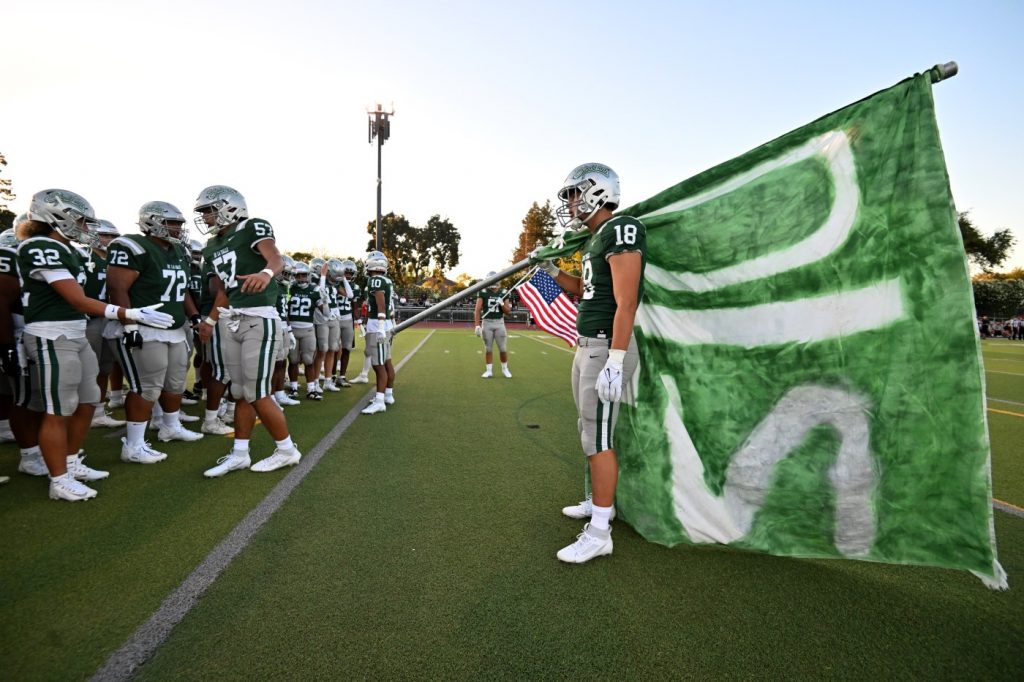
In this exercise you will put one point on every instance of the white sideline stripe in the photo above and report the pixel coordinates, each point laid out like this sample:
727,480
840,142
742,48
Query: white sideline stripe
1008,508
1000,400
125,662
804,320
551,345
1012,374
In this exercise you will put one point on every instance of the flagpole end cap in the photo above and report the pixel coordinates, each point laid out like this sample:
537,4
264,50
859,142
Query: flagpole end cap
941,72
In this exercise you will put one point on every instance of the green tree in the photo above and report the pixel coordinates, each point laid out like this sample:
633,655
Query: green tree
7,195
416,253
538,229
985,252
439,242
999,298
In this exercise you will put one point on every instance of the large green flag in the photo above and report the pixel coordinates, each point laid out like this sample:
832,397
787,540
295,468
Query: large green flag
810,378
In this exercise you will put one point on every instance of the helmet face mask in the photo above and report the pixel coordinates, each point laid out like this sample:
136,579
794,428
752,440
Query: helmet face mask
164,221
335,271
300,274
106,232
494,286
349,268
219,207
66,212
8,239
588,188
287,270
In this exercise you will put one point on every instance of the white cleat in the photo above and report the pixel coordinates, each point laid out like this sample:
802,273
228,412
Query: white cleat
287,402
486,375
361,379
155,424
589,544
229,415
187,418
505,373
101,419
6,435
33,466
67,488
80,471
584,510
141,454
177,432
374,408
228,463
113,404
329,386
217,427
278,460
389,399
189,401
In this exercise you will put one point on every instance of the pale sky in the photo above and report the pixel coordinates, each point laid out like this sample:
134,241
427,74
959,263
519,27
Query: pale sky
129,102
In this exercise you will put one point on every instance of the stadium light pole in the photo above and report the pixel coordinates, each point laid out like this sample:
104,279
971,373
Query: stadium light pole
380,128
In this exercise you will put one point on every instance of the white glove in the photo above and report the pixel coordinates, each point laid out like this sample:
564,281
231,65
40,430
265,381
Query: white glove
149,316
549,267
361,328
232,316
292,341
478,331
609,381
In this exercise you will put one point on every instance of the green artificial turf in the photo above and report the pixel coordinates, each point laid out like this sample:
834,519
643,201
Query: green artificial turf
422,546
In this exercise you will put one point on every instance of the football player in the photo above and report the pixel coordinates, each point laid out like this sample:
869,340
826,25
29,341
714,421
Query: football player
246,261
305,299
286,340
61,363
380,293
334,278
146,269
614,258
492,305
96,287
347,320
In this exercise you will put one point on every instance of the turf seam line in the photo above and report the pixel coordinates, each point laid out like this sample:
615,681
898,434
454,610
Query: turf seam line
549,345
126,660
1008,508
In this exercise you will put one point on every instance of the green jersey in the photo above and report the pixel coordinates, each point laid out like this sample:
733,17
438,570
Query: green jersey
493,301
195,283
621,234
9,267
282,303
344,302
163,273
302,304
236,254
42,303
96,277
375,283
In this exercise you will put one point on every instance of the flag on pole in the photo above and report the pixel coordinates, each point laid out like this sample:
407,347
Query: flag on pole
551,309
810,378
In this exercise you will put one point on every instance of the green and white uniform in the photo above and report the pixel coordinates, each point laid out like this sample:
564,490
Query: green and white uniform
348,333
96,287
248,335
305,299
62,365
283,329
211,349
17,386
378,338
325,318
621,234
161,364
492,319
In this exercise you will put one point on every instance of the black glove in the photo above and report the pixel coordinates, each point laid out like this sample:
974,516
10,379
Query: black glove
132,338
9,360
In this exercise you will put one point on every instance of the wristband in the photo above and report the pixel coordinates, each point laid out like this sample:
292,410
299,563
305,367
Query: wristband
210,321
381,316
111,312
616,356
269,272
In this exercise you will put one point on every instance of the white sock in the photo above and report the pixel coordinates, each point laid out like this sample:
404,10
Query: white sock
71,459
31,453
285,444
241,446
172,419
489,367
136,434
5,423
379,398
600,516
504,365
230,408
294,385
389,392
210,415
116,395
366,366
280,395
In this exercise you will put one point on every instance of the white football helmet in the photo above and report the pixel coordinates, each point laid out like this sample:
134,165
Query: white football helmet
225,203
375,261
8,239
195,248
301,274
494,286
287,270
335,271
350,269
64,211
589,186
164,221
106,232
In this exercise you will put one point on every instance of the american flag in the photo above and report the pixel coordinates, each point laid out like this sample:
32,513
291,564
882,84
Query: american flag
551,309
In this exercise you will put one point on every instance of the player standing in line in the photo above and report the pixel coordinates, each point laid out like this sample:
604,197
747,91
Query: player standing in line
245,260
96,287
62,366
146,269
380,293
347,320
286,340
606,356
331,275
305,299
492,305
